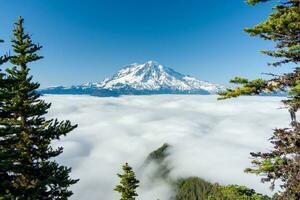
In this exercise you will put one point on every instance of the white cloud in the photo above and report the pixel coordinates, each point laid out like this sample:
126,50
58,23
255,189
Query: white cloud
211,139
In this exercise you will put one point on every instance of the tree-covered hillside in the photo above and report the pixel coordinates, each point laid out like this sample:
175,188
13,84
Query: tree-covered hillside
196,188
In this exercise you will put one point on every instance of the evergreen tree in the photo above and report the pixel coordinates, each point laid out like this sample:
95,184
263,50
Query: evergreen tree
128,184
27,157
283,161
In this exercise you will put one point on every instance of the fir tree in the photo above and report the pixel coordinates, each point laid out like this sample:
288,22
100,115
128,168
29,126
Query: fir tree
27,157
283,161
128,184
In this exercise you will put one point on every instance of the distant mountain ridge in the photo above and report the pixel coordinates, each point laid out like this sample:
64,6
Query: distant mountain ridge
142,79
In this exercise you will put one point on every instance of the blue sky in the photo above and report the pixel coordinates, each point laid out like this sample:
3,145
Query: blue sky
87,40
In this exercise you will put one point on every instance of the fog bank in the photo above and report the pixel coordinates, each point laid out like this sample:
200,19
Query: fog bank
210,139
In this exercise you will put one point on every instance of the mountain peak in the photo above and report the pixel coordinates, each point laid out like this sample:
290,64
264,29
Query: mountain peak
153,76
152,62
146,78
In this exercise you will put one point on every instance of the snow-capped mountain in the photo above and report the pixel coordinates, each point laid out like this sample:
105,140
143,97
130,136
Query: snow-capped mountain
147,78
154,76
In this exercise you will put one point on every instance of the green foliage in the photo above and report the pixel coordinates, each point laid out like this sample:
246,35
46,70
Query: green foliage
248,88
282,26
296,88
160,153
27,167
128,184
283,161
158,156
4,176
253,2
236,192
195,188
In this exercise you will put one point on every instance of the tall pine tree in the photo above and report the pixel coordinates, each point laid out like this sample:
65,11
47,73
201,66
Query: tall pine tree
128,184
25,135
282,163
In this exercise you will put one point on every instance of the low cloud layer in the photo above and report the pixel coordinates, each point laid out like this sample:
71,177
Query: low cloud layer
210,139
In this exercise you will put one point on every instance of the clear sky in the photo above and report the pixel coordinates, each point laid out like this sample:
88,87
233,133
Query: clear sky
87,40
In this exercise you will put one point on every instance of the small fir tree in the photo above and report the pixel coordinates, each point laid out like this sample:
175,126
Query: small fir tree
27,157
128,184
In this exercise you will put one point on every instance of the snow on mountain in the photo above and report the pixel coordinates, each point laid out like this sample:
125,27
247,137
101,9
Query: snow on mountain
154,76
151,77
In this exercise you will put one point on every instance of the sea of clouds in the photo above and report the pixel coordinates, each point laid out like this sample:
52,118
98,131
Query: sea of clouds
210,139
